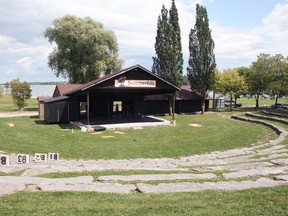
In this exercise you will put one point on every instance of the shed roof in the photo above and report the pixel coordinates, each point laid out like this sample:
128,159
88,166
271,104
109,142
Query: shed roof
42,98
61,89
59,98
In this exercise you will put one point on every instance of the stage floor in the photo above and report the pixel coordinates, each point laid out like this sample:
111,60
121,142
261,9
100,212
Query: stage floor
122,121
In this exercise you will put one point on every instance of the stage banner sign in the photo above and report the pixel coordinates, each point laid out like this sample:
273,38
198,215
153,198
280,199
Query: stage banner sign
135,83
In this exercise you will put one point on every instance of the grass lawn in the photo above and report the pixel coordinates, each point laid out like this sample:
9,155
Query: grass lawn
250,102
31,134
218,132
263,201
6,104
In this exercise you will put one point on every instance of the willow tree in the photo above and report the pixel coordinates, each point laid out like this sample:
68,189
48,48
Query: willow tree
201,64
168,62
84,49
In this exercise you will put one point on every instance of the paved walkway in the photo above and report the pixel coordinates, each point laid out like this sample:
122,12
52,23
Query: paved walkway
264,165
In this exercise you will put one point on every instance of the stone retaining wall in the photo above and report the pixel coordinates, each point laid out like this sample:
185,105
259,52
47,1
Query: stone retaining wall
267,118
277,129
280,131
274,114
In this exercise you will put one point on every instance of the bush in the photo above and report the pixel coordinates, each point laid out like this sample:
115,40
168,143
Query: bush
20,92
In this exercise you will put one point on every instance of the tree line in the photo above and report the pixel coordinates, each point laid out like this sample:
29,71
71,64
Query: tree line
267,75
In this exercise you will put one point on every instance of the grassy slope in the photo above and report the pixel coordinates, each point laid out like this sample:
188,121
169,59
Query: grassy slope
266,201
31,135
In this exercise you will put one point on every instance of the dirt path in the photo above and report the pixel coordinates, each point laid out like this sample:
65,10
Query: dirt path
18,113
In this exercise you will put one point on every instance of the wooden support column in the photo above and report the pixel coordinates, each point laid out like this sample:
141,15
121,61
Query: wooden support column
173,107
88,109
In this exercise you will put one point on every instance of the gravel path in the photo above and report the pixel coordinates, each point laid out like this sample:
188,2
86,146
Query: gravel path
17,114
263,165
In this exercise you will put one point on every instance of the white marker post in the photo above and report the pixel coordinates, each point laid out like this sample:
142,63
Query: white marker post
23,158
53,156
4,160
40,157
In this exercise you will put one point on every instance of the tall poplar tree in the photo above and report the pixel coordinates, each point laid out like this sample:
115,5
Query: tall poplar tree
177,58
160,61
201,68
168,62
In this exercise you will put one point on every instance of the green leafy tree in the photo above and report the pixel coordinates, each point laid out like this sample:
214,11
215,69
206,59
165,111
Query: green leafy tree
168,62
84,49
201,68
278,86
259,77
215,87
243,71
20,92
230,82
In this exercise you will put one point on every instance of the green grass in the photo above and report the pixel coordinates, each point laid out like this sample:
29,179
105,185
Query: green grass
250,102
7,105
262,201
31,135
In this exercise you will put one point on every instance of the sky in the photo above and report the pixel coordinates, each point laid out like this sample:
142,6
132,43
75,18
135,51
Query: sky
241,30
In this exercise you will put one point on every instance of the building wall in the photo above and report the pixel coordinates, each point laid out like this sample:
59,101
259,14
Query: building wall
41,109
41,112
152,107
162,106
62,111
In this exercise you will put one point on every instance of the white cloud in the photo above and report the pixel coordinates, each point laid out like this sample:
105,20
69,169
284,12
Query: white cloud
276,23
24,48
4,40
25,63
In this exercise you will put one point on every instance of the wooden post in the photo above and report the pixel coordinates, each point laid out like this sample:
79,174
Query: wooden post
68,112
88,109
173,110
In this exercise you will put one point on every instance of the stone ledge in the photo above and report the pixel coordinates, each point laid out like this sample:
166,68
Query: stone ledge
280,131
190,186
156,177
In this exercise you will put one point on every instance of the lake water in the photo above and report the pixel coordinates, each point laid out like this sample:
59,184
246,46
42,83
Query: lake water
42,90
39,90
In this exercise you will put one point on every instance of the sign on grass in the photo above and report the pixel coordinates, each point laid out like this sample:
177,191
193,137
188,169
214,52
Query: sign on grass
53,156
4,159
22,158
40,157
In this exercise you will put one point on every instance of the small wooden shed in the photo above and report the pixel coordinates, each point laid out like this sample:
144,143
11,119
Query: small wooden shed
61,109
